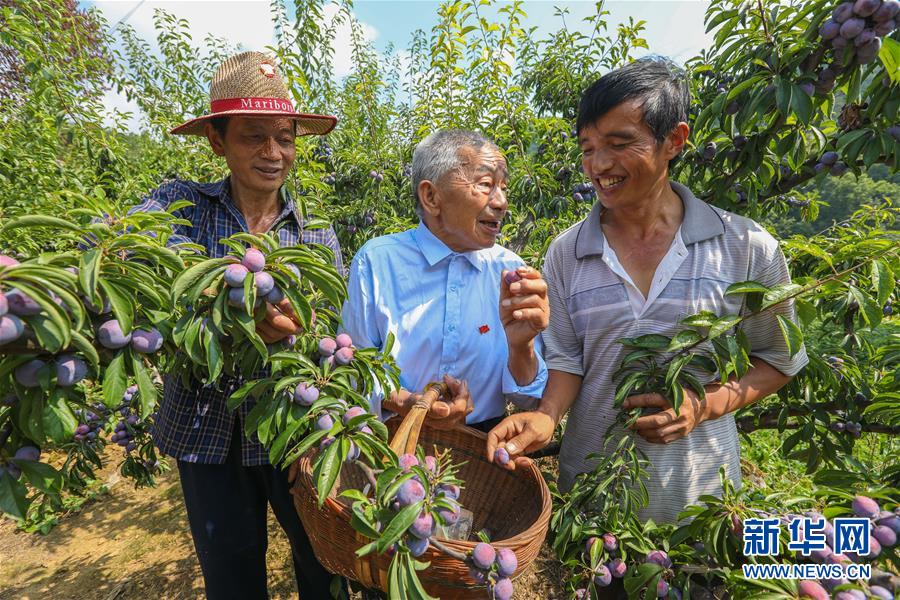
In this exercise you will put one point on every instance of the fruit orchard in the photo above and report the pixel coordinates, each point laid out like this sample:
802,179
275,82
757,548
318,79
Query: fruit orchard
793,100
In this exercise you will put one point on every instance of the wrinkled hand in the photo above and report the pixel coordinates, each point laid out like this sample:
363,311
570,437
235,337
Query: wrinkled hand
520,434
280,322
449,412
665,427
524,308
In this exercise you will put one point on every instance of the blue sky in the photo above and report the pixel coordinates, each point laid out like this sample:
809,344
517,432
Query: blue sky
673,27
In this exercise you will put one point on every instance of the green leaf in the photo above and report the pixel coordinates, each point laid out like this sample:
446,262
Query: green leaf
327,468
871,312
890,57
41,221
793,337
308,442
13,499
58,420
41,475
683,339
122,305
882,280
145,385
651,341
89,274
721,325
194,275
783,94
398,525
744,287
802,104
115,380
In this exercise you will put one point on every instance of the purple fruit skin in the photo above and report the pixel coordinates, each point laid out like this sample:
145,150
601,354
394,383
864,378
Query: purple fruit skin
880,592
589,543
343,340
602,576
478,575
110,335
659,557
864,38
808,88
70,370
11,328
852,28
512,277
582,594
865,8
892,522
254,260
21,305
610,543
662,589
449,490
82,429
146,341
888,10
327,346
874,548
830,29
423,526
864,506
503,589
501,456
27,374
842,12
885,535
866,54
264,283
431,463
408,461
27,453
4,305
450,517
236,297
352,413
344,356
306,395
326,441
410,492
352,452
829,158
7,261
417,547
325,422
617,567
886,27
507,562
275,296
483,555
235,275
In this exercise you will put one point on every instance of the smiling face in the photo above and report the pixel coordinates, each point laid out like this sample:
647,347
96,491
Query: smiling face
259,151
623,159
465,208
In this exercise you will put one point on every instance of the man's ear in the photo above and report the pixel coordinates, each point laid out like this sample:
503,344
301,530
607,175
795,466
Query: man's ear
427,193
215,140
678,137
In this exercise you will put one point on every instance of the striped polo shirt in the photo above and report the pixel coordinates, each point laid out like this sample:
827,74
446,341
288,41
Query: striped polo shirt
591,307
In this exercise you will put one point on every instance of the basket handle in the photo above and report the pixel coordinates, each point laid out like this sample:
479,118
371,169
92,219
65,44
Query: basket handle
407,436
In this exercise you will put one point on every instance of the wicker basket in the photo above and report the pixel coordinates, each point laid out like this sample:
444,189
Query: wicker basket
513,505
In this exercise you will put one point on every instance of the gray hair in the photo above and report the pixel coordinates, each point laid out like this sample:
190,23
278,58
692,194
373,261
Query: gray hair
438,154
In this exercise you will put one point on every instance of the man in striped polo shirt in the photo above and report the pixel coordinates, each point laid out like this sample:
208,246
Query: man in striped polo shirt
649,254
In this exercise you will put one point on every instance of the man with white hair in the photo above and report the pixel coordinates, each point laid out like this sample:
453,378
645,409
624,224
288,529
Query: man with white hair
459,306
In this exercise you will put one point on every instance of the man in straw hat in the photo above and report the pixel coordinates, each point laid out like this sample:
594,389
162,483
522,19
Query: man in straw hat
225,476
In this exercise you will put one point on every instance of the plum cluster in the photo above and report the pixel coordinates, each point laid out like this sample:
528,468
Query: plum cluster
251,265
855,30
336,351
12,466
69,370
90,424
493,567
584,192
376,176
829,161
606,563
12,305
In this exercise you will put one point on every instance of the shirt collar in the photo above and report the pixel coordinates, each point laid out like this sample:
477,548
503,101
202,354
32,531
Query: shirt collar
221,191
434,250
701,222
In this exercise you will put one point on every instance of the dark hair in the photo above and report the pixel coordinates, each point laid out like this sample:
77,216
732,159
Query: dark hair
220,124
657,81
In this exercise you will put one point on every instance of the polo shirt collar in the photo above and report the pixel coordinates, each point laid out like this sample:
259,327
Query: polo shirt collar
434,250
701,222
221,191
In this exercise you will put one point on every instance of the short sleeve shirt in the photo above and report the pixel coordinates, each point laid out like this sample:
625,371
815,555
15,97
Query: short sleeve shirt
590,309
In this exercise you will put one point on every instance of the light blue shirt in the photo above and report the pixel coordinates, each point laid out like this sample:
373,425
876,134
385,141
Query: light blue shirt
443,309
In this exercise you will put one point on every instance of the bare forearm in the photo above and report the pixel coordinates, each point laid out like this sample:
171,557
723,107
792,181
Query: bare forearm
559,395
760,381
523,363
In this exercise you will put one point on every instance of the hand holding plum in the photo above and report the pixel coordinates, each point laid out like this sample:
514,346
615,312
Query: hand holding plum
665,426
524,308
280,322
519,434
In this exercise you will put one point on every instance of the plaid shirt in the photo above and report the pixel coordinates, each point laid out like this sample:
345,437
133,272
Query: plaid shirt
193,424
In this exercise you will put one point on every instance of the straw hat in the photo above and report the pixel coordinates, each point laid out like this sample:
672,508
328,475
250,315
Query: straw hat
249,84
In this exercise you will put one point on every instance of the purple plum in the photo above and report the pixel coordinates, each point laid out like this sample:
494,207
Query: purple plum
864,506
264,283
887,11
27,453
449,516
830,29
110,335
146,341
235,274
431,463
254,260
864,38
70,370
26,374
327,346
21,304
11,328
417,547
662,588
885,535
617,567
423,526
501,456
478,575
408,461
865,8
885,27
324,423
306,395
483,555
343,341
507,562
410,492
236,297
352,413
852,28
610,543
7,261
4,304
589,543
449,490
502,590
275,296
829,158
352,453
842,12
659,557
344,356
512,277
602,576
880,592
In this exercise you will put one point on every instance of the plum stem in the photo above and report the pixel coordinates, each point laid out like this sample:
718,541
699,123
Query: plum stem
447,550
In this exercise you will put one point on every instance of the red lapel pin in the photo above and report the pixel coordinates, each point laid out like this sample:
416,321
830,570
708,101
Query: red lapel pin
483,329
